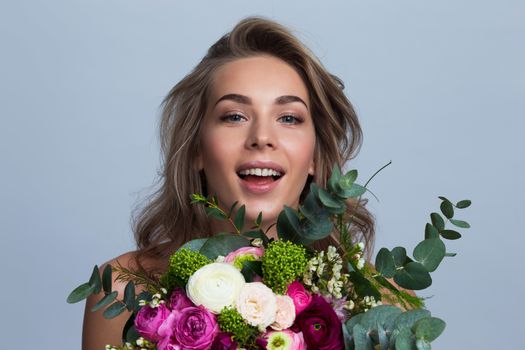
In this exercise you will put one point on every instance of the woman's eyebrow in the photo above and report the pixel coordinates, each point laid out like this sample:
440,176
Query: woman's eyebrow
281,100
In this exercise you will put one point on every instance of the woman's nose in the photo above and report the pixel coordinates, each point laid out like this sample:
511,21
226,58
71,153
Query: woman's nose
261,135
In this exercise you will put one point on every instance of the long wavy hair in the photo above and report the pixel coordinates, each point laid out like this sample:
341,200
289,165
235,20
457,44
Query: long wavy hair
167,219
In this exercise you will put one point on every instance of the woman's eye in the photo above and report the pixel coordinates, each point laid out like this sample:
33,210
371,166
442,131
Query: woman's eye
233,118
290,119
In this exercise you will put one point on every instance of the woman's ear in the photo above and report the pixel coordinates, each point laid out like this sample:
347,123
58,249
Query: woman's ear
311,169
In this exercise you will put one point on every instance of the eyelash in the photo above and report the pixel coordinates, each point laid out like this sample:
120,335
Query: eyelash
228,118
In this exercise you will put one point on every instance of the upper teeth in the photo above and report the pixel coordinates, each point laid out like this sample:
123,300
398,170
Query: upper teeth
260,172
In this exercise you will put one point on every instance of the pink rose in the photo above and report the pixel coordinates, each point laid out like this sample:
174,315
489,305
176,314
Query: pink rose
301,298
237,257
285,340
149,319
192,328
285,314
179,300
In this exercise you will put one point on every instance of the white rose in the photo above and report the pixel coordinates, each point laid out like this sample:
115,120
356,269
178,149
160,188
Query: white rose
257,304
285,314
215,286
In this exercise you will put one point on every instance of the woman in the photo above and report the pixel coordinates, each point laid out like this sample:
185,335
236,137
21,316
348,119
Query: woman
256,121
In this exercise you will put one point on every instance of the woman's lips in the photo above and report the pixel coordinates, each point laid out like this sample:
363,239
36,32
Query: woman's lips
259,184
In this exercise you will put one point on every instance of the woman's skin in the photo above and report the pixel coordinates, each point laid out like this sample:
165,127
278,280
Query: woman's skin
258,117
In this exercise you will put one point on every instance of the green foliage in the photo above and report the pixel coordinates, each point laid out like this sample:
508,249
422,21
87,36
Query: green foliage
182,265
282,263
222,244
388,327
231,321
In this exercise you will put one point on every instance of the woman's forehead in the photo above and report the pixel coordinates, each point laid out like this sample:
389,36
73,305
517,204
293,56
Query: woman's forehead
262,79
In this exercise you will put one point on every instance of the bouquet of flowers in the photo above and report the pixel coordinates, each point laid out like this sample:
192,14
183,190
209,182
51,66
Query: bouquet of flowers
242,290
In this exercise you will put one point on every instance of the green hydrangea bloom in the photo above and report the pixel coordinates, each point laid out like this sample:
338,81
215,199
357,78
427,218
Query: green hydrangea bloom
282,263
182,265
231,321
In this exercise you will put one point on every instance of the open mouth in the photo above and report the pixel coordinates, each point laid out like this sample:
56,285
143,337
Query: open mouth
259,175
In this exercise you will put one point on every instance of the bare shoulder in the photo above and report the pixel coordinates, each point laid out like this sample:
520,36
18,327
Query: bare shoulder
98,331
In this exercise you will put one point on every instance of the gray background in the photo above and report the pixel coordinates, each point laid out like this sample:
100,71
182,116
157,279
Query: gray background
438,87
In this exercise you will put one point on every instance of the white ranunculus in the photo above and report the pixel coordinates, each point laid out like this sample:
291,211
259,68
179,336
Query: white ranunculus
285,315
215,286
257,304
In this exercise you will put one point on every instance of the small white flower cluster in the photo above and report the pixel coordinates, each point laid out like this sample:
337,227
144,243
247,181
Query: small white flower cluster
323,273
359,256
156,299
257,242
349,305
370,302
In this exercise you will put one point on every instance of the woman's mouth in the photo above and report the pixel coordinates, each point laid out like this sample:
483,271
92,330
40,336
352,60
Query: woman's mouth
259,180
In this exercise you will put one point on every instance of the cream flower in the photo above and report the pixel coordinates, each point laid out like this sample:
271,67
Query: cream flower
257,304
215,286
285,314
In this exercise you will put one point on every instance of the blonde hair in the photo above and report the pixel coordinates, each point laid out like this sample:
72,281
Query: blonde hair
168,220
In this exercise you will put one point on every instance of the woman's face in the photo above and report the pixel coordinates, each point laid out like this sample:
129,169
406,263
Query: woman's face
257,138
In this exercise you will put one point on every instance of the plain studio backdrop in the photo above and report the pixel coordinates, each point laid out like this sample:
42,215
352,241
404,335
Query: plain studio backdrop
438,86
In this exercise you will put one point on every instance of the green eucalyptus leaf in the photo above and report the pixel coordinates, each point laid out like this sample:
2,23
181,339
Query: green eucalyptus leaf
334,179
215,213
408,318
429,328
106,279
460,223
422,344
383,337
385,263
400,255
443,198
288,227
257,234
232,208
223,244
463,204
450,254
129,333
347,181
114,310
361,339
355,191
430,253
405,340
195,244
95,280
250,269
80,293
239,218
129,295
431,231
447,209
106,300
258,221
317,229
379,315
347,337
450,234
413,276
437,221
330,201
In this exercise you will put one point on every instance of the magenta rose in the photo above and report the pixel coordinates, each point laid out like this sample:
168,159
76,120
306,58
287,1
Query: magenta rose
179,300
301,298
320,326
192,328
224,341
149,319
